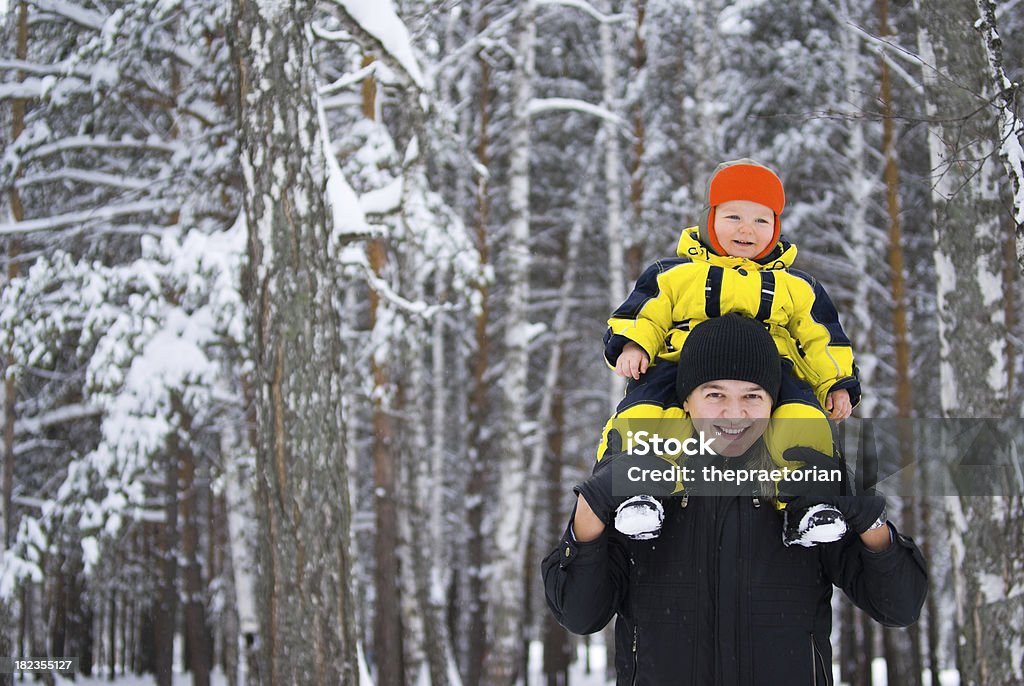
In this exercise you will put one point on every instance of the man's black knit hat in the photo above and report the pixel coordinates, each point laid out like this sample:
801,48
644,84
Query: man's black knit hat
729,347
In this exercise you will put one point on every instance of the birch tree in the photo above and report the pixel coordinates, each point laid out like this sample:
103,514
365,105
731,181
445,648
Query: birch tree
969,187
505,606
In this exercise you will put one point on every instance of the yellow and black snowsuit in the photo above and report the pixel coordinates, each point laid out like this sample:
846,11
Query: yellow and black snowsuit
674,295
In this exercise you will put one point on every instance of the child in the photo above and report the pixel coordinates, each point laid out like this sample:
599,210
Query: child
736,261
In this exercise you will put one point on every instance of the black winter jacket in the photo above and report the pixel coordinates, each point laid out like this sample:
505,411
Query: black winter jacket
717,600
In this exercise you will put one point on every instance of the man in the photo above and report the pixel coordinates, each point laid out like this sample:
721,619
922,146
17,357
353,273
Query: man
717,598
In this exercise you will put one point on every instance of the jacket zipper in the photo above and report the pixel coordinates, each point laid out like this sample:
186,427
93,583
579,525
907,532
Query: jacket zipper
635,660
817,659
814,666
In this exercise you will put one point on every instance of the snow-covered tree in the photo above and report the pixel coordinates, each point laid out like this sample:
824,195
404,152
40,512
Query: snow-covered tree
969,191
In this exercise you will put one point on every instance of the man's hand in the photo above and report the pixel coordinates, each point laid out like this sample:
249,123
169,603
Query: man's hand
837,403
610,485
860,511
803,485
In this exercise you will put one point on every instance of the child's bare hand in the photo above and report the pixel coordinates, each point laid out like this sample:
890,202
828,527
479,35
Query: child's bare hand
839,405
632,362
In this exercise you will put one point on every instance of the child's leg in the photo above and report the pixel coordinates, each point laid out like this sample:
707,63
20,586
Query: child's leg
649,404
652,396
798,420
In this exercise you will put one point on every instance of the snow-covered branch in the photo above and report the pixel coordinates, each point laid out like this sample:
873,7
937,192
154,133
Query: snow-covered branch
82,142
61,221
58,69
85,176
589,9
87,18
542,105
480,40
348,80
29,88
68,413
885,48
377,21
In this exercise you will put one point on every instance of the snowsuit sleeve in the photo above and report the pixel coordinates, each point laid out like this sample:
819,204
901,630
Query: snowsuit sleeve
646,315
585,583
890,586
823,345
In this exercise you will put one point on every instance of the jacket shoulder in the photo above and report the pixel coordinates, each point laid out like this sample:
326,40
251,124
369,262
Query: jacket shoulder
800,274
664,265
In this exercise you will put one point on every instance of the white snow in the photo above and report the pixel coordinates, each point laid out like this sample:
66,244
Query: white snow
589,9
640,517
382,200
542,105
378,18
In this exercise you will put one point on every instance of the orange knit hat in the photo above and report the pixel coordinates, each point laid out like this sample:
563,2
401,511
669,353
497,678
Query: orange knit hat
742,179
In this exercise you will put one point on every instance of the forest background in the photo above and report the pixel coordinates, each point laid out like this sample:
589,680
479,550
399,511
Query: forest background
302,304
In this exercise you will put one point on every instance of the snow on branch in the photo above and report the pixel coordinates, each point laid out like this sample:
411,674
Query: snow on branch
82,142
61,221
78,15
541,105
586,7
58,69
86,176
68,413
384,290
377,19
346,213
482,39
885,48
347,80
27,89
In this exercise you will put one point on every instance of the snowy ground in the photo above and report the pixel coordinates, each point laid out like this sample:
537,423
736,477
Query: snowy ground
578,675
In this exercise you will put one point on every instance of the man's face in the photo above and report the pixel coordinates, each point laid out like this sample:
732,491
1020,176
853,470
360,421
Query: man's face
744,228
732,413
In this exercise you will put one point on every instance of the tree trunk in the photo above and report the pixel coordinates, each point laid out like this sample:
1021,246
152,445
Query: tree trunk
10,391
165,612
479,406
505,594
864,250
968,197
199,658
1011,128
897,271
963,141
902,668
863,675
935,620
557,646
613,195
7,473
635,245
307,616
387,617
79,640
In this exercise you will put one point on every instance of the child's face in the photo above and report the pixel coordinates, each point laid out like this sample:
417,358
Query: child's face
744,228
